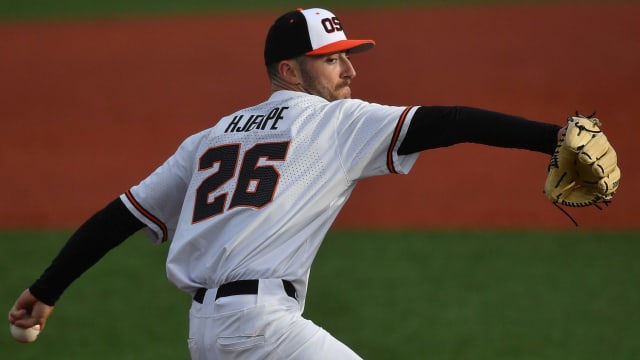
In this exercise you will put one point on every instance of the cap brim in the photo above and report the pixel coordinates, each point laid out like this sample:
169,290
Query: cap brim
353,46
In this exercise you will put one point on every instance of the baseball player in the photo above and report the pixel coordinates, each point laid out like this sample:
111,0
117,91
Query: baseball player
246,203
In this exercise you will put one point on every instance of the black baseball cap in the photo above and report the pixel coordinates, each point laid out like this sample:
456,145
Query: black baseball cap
308,32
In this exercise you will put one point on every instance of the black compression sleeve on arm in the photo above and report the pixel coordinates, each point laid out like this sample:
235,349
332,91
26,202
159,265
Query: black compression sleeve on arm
105,230
439,126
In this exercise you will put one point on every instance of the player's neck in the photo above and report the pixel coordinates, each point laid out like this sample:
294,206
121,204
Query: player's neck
281,85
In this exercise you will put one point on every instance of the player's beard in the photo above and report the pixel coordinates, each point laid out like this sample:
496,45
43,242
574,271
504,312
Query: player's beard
345,88
312,85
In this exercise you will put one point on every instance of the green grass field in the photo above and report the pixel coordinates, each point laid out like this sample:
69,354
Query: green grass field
19,10
389,295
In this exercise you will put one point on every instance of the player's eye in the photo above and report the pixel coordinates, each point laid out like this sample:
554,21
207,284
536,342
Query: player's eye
331,59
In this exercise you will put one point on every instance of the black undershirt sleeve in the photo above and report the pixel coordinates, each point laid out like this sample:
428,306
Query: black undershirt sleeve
439,126
102,232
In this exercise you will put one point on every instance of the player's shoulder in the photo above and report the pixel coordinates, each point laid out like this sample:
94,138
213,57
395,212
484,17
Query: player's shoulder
194,140
362,110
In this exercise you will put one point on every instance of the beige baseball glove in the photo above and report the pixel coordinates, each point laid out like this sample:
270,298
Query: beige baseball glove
584,169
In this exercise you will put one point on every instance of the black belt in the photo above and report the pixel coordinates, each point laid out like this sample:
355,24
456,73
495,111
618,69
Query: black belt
242,287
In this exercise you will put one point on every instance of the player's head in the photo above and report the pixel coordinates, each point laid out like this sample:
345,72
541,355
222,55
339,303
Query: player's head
303,44
309,32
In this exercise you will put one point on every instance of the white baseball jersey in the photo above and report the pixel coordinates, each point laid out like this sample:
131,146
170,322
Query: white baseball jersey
254,196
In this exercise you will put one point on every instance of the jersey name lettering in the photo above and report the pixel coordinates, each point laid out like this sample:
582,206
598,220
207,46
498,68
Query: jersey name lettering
256,122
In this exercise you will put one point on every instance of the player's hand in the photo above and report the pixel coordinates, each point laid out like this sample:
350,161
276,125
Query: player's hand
28,311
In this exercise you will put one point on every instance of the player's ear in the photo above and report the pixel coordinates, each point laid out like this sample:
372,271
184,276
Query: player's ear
289,71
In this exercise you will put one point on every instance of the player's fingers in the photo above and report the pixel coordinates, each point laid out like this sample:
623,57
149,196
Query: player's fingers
16,314
27,322
594,149
38,317
21,318
22,306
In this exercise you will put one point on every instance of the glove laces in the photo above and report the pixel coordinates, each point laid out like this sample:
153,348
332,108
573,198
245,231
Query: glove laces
604,202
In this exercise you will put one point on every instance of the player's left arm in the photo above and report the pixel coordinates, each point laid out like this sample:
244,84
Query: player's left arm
440,126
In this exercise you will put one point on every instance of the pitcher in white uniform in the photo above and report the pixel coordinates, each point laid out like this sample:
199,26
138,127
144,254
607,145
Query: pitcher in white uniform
247,203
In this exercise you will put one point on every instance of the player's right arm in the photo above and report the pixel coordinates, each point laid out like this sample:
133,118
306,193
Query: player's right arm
102,232
163,189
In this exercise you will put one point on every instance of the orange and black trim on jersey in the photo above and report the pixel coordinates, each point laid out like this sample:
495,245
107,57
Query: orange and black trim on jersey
394,140
148,215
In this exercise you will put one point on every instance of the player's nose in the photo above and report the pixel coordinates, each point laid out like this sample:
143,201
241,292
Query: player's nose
348,71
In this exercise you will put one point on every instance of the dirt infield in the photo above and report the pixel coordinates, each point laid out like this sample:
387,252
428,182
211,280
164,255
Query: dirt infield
90,108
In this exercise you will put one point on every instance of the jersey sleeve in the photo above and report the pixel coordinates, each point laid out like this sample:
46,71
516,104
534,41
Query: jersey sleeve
157,200
369,136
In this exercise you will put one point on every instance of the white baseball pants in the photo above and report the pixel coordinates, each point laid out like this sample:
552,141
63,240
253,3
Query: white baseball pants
268,325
